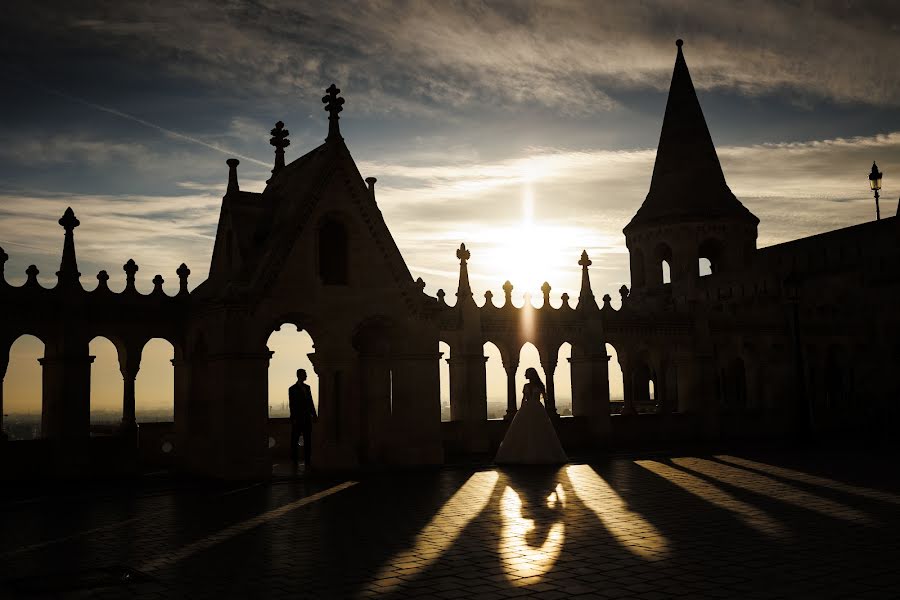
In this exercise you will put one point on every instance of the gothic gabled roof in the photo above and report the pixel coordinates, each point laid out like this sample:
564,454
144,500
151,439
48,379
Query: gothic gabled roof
687,182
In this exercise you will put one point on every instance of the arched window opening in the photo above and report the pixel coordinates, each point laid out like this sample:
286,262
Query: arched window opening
528,357
563,379
154,388
22,389
290,348
333,253
664,260
444,371
106,387
496,382
616,383
643,386
651,392
710,252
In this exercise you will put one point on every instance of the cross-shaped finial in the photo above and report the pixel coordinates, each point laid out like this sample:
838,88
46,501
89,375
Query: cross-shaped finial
462,254
585,262
334,105
279,137
280,140
68,220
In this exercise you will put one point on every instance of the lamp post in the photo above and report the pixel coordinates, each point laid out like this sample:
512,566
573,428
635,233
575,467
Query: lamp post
875,183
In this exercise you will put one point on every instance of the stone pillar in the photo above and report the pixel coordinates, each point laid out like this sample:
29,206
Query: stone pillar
4,363
416,416
628,386
549,366
66,381
129,365
236,392
468,387
511,366
335,436
182,398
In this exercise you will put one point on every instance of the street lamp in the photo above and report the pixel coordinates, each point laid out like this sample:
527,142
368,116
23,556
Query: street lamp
875,183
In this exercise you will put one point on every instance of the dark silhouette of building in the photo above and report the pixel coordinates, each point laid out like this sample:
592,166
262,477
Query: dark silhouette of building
796,337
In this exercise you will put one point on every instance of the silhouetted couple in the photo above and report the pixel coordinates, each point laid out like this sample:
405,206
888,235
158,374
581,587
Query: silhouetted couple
303,415
531,438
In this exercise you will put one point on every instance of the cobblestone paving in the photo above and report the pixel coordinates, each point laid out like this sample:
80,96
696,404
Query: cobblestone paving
737,525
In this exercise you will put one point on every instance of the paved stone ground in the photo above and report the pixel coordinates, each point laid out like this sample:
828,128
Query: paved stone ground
760,524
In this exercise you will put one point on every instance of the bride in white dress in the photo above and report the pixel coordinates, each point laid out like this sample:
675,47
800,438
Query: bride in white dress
531,438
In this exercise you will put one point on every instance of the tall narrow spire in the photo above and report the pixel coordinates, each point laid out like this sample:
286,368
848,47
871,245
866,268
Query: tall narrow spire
68,266
687,178
464,291
280,141
586,300
334,105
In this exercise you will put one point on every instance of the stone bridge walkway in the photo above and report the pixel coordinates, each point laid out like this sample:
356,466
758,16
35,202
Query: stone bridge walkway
730,525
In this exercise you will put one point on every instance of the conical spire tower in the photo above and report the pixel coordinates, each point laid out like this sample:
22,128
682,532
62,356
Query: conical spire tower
687,182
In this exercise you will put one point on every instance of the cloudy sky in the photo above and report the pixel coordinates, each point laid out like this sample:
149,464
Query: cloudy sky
526,130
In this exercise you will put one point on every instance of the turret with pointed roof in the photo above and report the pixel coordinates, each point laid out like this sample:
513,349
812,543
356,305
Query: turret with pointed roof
688,192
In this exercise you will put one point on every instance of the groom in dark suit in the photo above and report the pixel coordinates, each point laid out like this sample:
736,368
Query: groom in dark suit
303,415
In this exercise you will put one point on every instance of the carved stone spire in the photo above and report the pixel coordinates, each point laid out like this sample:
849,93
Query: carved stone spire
334,105
233,186
464,290
68,267
280,141
586,300
687,178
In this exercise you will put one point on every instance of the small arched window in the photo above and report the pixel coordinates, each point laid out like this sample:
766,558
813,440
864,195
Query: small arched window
333,253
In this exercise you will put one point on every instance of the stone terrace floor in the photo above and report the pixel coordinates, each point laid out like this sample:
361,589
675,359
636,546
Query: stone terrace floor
739,524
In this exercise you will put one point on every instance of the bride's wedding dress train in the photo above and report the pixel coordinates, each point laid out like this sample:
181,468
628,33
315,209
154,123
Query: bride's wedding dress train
531,438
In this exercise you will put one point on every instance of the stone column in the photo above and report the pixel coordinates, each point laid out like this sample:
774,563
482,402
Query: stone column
549,365
4,363
129,365
511,366
468,387
335,436
182,397
628,385
416,418
66,380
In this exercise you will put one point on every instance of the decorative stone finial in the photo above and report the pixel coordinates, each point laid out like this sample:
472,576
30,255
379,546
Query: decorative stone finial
586,299
183,273
464,290
68,220
130,269
233,186
679,43
507,292
102,280
440,296
462,254
157,284
280,141
606,301
370,181
585,262
545,289
565,300
31,272
68,266
334,105
623,291
489,298
420,283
